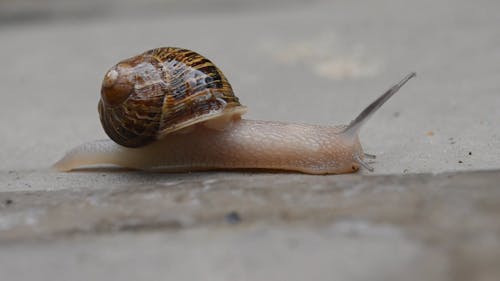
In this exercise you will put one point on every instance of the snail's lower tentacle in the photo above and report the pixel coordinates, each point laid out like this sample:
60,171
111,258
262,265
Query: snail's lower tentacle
370,156
363,163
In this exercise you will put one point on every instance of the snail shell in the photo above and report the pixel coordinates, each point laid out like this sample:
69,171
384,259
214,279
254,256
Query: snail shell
163,91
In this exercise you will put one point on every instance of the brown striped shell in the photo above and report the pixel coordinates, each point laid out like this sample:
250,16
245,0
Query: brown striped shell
162,91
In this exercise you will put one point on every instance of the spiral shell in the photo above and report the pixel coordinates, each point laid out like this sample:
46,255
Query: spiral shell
162,91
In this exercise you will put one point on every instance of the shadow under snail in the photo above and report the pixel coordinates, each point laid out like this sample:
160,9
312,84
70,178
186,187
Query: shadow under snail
173,110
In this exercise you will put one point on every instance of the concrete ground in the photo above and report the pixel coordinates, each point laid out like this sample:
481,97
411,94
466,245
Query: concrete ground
429,211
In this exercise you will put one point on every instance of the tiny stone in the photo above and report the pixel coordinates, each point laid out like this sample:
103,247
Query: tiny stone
8,201
470,152
233,218
460,161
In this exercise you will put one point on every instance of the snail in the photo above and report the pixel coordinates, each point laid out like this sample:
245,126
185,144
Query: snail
173,110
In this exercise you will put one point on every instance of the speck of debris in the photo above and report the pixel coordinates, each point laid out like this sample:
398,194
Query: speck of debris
470,152
405,171
430,133
233,218
8,202
460,161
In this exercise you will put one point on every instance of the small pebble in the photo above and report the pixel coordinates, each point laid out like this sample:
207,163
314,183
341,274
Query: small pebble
233,218
460,161
8,202
470,152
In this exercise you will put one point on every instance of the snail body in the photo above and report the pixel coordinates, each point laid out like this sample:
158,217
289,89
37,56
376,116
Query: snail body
173,110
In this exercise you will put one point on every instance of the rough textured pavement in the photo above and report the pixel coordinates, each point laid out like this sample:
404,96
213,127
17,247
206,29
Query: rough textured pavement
429,211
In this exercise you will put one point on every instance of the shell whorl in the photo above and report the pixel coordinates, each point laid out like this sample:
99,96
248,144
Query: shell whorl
161,91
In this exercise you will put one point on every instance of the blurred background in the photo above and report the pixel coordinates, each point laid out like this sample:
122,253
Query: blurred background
433,215
300,61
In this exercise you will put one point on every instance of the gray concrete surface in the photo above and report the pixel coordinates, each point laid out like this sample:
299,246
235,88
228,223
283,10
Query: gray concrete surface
428,212
256,227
